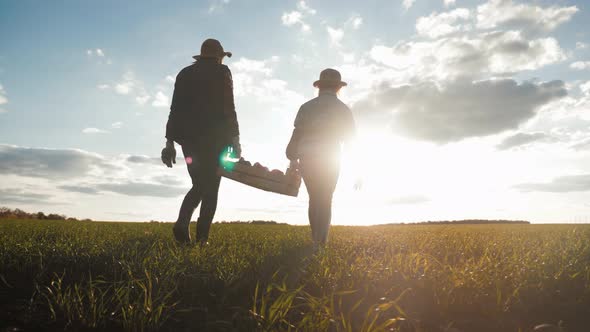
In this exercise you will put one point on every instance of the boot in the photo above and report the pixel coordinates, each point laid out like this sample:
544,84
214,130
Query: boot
181,233
203,227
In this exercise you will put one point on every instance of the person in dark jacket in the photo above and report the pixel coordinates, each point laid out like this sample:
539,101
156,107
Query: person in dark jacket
203,121
321,126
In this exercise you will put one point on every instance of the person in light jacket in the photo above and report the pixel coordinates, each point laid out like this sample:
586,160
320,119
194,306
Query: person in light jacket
321,126
203,121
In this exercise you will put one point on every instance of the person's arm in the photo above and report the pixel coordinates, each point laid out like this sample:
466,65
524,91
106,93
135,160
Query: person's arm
172,126
229,112
292,150
174,121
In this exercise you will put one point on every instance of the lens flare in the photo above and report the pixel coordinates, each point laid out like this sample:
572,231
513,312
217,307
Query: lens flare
189,160
227,158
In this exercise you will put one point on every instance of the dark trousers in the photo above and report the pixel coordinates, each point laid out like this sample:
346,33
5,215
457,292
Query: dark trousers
320,176
202,162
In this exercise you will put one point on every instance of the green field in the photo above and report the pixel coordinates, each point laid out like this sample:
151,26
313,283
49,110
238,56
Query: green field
132,276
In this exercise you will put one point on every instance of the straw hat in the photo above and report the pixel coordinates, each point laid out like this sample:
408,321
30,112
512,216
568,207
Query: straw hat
329,77
211,48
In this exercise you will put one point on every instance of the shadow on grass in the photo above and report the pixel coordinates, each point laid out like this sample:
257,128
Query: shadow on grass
207,302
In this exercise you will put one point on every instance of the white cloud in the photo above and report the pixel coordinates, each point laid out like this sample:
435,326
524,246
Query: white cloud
130,86
293,18
436,25
103,86
3,98
117,125
96,52
493,53
297,16
124,88
530,17
170,79
216,5
407,4
161,100
250,66
127,84
566,119
92,130
253,78
301,5
100,55
449,3
335,35
580,65
142,99
581,45
348,57
133,87
356,22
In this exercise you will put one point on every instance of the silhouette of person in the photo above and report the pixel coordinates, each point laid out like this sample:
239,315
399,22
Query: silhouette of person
203,121
321,126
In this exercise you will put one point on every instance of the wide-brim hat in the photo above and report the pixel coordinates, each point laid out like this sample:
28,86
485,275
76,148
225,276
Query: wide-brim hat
211,48
329,77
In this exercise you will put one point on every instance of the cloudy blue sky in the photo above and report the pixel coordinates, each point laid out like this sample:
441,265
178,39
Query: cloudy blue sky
465,109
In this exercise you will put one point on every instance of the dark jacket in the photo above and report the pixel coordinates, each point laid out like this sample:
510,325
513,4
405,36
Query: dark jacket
321,125
202,107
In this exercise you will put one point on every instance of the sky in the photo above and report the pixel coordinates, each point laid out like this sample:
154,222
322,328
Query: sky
464,109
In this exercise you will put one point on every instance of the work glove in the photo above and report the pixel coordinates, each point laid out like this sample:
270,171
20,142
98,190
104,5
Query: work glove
169,154
237,148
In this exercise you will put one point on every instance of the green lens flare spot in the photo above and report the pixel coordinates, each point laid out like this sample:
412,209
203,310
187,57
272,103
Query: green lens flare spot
227,159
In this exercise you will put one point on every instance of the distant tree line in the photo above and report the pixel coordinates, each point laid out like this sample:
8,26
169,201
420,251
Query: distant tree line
253,222
468,222
7,213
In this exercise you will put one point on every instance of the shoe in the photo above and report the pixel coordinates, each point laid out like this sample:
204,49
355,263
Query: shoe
181,234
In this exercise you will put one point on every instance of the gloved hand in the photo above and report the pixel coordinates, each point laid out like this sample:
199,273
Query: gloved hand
237,148
169,154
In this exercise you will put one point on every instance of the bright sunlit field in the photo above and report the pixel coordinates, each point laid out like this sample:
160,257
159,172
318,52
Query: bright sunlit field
132,276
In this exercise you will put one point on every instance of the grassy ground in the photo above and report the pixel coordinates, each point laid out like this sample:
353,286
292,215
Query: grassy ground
132,276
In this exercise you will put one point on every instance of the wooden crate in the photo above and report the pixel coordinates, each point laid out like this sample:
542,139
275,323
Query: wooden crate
286,184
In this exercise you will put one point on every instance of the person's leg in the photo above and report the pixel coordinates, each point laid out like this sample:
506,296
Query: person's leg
191,199
210,191
325,214
320,178
208,208
312,209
